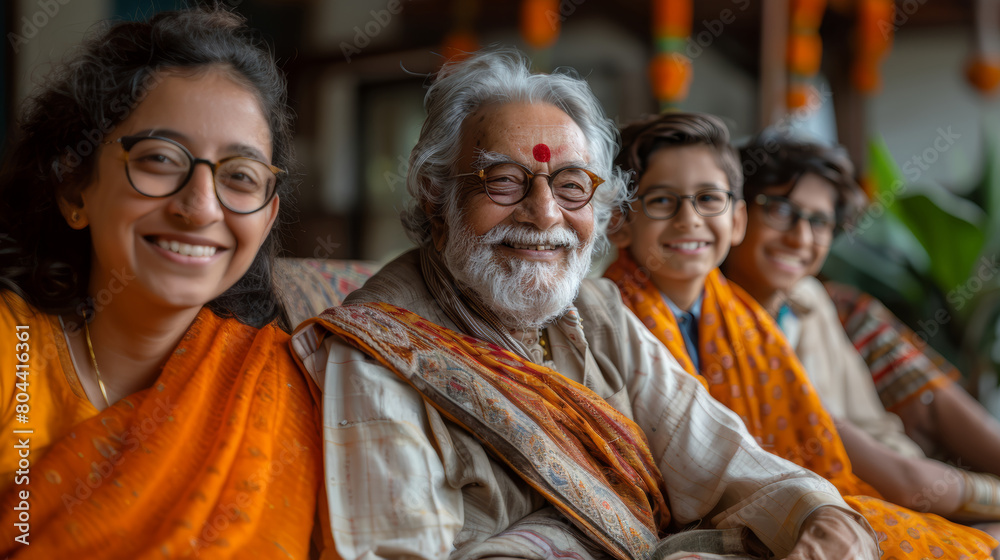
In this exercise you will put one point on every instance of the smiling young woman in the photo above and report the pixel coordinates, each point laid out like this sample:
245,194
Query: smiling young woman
154,383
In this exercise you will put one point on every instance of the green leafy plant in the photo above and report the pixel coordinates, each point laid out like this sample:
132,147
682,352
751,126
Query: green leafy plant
931,255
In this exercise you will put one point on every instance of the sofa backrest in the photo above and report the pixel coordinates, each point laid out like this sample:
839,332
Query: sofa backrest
310,286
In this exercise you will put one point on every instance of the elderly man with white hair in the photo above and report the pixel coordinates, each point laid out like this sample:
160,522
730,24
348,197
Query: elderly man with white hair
482,399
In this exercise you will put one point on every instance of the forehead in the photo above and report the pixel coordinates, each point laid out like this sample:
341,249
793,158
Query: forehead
526,132
813,193
206,106
683,168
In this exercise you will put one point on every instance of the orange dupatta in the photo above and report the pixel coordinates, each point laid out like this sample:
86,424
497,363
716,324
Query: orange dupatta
564,440
748,365
219,459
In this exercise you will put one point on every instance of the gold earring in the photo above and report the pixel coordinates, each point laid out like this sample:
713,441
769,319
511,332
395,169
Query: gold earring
75,216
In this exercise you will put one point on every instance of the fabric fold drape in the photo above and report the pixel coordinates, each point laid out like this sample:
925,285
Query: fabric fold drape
564,440
747,364
220,458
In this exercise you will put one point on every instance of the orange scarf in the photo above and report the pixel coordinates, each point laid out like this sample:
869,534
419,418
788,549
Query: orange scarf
221,458
564,440
748,365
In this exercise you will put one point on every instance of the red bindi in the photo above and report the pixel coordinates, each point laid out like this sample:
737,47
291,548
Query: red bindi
541,153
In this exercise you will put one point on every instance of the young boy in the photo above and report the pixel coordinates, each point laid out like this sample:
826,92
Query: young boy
800,193
687,214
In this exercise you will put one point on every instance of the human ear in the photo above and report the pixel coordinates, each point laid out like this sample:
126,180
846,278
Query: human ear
739,222
74,213
439,229
620,229
274,205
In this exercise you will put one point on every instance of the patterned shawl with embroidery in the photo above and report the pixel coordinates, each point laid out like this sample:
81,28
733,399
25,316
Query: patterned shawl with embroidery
749,366
569,444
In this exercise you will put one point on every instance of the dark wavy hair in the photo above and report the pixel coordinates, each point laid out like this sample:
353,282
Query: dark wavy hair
62,127
776,158
673,130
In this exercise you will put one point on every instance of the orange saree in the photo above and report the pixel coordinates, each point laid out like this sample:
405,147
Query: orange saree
220,458
748,365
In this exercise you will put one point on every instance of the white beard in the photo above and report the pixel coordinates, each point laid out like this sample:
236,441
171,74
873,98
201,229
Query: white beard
523,294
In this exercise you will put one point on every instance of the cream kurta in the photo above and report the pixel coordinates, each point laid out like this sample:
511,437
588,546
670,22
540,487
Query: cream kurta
404,482
838,372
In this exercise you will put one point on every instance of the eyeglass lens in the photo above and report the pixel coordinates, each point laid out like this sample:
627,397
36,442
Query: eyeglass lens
664,205
508,184
783,215
158,167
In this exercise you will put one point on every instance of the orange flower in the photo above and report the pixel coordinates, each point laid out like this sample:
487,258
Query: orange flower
670,74
807,14
458,45
805,51
672,18
875,26
540,22
983,73
865,76
801,96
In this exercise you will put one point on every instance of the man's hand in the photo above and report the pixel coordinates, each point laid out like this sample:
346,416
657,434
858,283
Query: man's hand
832,534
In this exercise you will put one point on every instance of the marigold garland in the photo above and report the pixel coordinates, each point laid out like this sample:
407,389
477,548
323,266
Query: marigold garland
540,23
804,51
874,38
670,71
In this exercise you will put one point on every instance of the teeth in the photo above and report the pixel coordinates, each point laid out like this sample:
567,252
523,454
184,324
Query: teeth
789,260
689,245
534,247
186,249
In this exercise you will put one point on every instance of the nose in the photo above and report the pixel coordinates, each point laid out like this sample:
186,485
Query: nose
197,202
539,208
800,234
687,217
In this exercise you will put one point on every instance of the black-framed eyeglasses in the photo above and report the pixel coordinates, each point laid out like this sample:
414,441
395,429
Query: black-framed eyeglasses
509,183
159,167
783,215
663,205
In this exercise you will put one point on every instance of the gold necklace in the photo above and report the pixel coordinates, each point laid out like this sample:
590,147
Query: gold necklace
93,360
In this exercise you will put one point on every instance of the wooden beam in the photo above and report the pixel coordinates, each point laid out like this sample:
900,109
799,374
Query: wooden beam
773,74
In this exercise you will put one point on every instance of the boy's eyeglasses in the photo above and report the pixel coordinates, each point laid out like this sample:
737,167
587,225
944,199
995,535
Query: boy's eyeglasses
509,183
663,205
160,167
783,215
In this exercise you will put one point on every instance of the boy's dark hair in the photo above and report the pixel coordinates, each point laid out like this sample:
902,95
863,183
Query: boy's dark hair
775,158
643,137
61,130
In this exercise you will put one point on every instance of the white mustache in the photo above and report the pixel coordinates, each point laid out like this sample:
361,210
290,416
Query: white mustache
520,235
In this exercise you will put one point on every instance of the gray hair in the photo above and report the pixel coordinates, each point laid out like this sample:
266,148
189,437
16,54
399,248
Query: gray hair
502,76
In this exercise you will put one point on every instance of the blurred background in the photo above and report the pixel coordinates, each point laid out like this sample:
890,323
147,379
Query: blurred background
908,87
